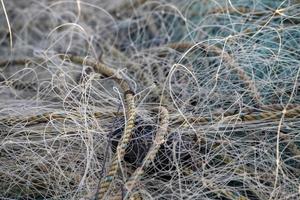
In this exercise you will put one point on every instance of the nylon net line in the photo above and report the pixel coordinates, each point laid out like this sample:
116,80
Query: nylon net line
141,99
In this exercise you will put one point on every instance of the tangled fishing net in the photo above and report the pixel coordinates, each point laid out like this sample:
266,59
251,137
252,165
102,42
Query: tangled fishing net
142,99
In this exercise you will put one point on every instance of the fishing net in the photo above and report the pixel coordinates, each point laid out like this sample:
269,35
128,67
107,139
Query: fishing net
142,99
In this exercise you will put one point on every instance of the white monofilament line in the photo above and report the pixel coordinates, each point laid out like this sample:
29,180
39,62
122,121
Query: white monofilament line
8,24
278,135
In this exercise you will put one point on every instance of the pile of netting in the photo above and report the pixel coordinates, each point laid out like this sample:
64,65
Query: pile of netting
142,99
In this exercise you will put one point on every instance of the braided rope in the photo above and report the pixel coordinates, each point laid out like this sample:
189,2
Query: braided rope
136,196
273,112
158,141
121,148
125,139
134,66
22,61
290,112
229,60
